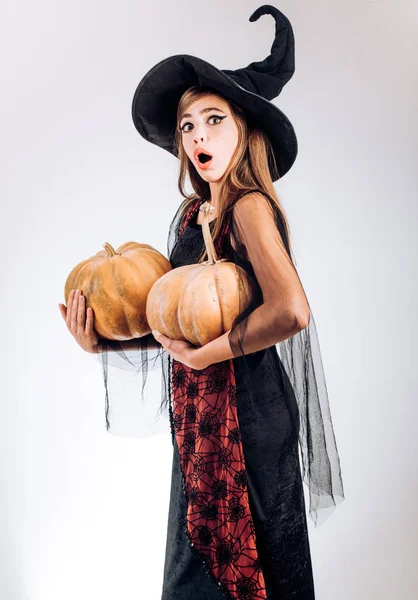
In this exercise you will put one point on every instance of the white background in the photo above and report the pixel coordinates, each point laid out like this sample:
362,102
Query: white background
84,513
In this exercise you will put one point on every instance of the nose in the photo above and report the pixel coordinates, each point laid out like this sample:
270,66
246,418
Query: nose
199,133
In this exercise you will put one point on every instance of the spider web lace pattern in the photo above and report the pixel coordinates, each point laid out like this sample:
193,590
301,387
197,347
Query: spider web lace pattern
205,424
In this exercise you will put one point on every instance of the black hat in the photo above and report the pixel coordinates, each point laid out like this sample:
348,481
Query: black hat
155,102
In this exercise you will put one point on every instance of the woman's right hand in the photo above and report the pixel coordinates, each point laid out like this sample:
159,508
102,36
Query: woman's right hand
80,325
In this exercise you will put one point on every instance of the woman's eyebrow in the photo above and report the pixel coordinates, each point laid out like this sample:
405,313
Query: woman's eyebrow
204,110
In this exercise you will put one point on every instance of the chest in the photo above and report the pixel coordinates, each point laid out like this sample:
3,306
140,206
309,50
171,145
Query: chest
190,242
188,248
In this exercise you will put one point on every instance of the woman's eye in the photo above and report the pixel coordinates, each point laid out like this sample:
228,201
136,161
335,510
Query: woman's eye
219,118
216,117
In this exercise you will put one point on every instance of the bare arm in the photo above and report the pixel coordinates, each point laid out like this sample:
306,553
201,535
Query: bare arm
284,310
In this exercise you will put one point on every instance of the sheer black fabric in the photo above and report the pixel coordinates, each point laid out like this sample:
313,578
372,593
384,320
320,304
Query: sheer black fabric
259,246
134,405
136,387
136,376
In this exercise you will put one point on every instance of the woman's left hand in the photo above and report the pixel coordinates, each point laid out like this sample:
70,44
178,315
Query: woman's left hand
184,352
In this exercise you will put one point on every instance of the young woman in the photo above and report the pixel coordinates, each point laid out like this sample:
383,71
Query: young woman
240,404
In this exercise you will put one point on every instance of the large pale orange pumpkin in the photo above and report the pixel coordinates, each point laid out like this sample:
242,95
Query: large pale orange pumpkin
116,284
198,303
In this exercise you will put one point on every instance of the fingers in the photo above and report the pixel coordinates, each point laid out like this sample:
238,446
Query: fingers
80,318
77,317
89,321
80,324
74,309
70,308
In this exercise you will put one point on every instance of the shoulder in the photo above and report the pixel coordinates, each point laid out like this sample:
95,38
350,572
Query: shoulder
251,205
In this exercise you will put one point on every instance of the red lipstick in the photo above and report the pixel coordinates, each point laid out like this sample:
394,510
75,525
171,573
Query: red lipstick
202,157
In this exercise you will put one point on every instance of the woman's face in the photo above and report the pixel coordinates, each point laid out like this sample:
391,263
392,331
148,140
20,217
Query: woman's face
208,126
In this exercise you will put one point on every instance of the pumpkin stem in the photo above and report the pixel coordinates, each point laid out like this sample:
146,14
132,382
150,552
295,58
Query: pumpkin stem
109,249
206,208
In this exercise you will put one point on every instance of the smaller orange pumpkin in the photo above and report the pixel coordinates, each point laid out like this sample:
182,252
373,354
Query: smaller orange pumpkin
116,284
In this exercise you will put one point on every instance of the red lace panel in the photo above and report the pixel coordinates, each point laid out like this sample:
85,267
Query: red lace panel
206,428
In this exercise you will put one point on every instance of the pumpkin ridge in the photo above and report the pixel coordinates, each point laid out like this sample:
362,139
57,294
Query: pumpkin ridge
205,278
220,292
194,326
182,294
210,275
119,296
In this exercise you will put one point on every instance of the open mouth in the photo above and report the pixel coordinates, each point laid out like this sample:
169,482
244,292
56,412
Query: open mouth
204,158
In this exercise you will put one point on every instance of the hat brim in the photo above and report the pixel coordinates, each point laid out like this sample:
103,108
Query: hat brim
156,98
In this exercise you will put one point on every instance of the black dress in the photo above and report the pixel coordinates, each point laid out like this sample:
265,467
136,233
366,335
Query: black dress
274,481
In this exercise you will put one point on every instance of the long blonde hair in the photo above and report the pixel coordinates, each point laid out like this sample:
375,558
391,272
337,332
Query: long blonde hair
248,170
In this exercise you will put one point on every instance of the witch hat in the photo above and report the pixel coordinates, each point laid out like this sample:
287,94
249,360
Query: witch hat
155,102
